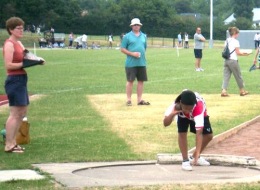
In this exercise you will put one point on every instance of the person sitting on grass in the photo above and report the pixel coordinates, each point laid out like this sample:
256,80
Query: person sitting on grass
190,108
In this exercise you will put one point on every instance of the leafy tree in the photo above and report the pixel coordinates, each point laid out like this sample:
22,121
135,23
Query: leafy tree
201,6
222,9
183,6
156,15
257,3
64,13
243,23
115,16
243,13
45,12
7,9
243,8
101,17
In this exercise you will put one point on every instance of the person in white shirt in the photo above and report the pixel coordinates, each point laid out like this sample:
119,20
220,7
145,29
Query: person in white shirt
231,65
198,46
179,39
186,40
257,40
84,41
110,40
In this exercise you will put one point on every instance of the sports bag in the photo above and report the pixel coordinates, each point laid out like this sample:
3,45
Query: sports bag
23,135
226,53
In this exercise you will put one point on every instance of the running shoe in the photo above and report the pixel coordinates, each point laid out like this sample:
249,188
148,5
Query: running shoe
186,166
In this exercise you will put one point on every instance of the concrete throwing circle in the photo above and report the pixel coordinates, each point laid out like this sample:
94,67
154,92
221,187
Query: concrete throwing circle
150,174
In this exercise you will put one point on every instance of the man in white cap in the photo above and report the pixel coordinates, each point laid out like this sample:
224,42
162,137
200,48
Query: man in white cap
134,46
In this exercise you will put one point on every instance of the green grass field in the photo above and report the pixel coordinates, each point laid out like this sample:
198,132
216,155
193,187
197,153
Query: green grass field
67,127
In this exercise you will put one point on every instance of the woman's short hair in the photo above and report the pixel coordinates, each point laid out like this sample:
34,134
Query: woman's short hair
233,30
13,22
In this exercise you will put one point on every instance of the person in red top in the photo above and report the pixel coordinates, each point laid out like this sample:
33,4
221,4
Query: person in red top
191,110
15,83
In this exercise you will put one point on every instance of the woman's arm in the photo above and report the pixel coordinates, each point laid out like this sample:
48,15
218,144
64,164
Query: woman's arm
238,52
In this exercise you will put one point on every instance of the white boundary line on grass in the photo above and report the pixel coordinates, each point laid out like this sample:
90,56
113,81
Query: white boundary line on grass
65,90
177,49
181,78
74,89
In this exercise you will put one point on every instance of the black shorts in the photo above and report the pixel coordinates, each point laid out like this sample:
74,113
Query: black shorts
198,53
136,72
16,90
184,123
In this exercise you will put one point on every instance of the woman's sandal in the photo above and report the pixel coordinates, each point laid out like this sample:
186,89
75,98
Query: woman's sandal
244,93
129,103
18,146
142,102
224,94
16,149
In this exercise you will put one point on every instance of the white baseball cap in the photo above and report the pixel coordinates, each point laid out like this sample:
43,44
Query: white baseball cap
135,21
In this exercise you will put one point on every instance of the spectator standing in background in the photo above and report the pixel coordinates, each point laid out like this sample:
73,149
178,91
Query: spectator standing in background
84,41
71,39
179,39
257,40
186,40
121,37
110,41
38,30
52,35
199,43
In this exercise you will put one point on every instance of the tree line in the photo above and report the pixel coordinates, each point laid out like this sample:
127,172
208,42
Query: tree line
164,18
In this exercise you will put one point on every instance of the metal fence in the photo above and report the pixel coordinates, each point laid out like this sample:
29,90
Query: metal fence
30,39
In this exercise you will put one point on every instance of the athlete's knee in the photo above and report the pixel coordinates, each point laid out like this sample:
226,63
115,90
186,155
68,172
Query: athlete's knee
209,137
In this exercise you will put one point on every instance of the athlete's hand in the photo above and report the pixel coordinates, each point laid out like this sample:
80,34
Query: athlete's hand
195,159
